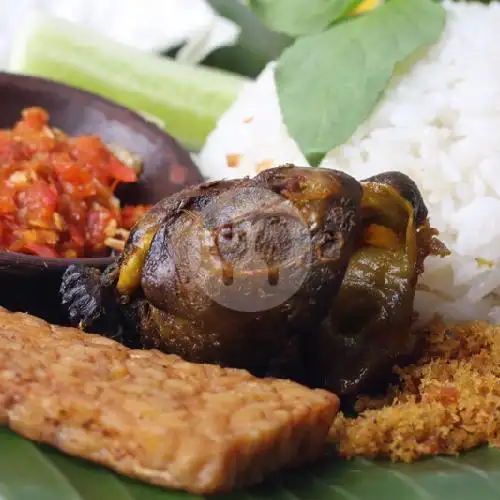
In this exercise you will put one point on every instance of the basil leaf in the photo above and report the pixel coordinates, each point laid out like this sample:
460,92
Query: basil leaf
329,83
301,17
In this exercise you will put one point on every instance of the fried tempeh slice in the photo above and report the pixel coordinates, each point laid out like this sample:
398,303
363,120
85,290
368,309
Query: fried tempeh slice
153,416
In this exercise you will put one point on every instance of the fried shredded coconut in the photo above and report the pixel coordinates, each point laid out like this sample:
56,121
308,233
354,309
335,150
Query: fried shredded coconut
446,403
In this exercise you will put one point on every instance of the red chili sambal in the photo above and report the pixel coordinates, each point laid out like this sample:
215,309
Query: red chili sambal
57,193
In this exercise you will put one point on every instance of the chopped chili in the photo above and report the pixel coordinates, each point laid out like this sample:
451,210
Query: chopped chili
57,193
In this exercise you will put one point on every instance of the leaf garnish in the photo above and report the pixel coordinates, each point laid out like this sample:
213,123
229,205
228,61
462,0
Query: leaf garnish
329,83
301,17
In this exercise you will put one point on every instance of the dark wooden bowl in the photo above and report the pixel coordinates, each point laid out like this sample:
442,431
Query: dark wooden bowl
31,284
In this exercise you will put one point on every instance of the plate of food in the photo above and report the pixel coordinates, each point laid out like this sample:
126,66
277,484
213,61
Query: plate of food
303,306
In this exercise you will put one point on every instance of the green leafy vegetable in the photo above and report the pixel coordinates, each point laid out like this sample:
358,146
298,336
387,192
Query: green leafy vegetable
329,83
257,45
29,472
301,17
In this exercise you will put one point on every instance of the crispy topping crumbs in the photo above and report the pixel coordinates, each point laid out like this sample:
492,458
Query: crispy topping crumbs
448,401
233,160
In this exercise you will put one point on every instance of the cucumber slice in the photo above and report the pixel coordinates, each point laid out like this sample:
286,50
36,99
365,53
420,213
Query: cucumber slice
186,99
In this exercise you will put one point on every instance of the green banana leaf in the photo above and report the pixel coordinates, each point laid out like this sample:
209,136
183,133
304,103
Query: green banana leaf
32,472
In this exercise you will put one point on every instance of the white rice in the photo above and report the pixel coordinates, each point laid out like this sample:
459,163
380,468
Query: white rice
440,124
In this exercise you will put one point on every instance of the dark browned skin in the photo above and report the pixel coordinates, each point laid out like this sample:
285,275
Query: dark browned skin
368,328
182,318
407,189
311,214
350,306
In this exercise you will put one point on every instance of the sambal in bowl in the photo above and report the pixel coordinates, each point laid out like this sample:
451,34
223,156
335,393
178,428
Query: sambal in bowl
76,172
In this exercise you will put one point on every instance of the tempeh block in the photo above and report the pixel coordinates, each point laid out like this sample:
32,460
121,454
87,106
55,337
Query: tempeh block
153,416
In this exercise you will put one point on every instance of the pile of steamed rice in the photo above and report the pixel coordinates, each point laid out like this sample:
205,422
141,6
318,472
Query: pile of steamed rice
440,124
